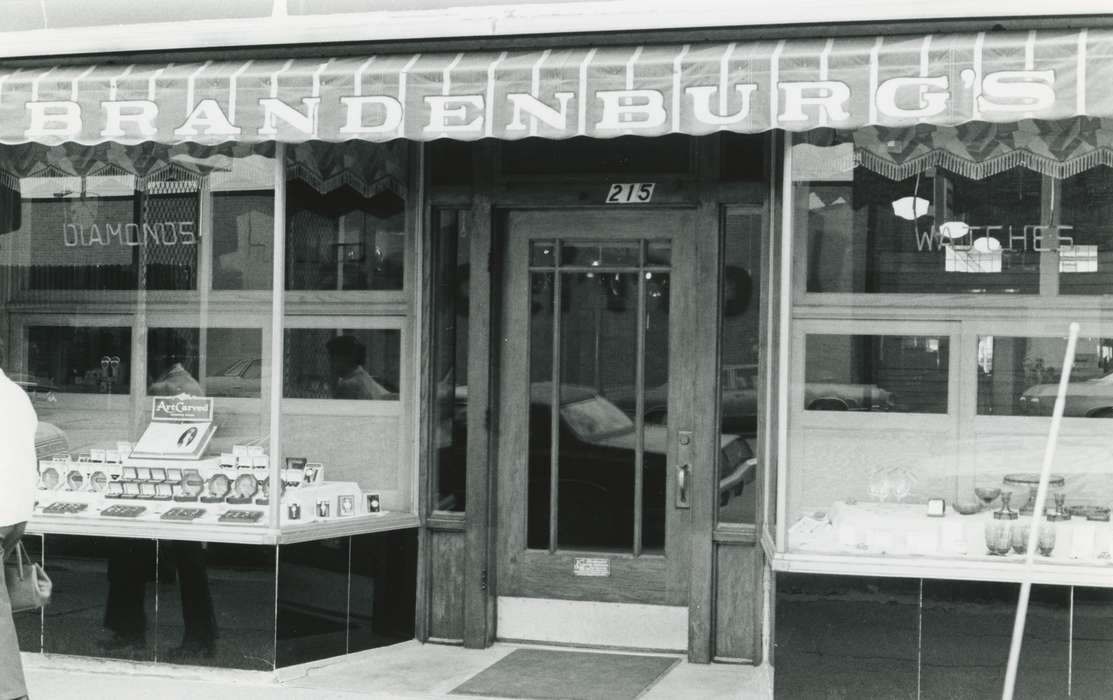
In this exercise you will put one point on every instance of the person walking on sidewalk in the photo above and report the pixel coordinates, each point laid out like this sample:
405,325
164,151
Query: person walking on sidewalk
18,423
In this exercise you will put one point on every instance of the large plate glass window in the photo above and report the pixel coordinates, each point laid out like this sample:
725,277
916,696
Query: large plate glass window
123,280
348,380
937,271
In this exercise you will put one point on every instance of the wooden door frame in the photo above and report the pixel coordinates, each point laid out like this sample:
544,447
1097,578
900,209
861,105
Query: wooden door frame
700,188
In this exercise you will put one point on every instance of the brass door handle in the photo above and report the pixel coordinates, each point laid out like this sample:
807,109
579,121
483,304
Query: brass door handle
683,468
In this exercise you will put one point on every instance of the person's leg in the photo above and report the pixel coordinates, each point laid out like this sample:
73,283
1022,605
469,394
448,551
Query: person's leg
198,616
124,612
12,684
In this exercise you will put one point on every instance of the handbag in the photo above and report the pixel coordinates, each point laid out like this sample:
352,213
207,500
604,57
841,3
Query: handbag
29,587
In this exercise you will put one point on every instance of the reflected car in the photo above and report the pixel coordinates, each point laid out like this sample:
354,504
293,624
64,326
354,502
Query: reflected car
738,386
597,442
834,396
241,378
43,392
1092,398
597,448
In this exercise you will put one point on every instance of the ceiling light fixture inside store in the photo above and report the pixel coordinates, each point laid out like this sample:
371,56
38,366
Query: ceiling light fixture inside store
911,208
954,229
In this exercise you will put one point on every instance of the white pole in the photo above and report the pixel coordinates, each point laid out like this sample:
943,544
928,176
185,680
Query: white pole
278,317
1037,515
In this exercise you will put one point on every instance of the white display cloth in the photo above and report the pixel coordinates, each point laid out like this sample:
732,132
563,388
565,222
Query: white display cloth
898,529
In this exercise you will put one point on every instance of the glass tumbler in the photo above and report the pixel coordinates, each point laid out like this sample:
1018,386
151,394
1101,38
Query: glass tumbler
1020,537
997,537
1046,544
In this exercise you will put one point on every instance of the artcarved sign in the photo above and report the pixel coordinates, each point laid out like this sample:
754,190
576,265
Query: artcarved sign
182,408
161,233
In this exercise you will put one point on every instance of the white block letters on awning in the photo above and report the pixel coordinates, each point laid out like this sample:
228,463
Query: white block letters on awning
796,85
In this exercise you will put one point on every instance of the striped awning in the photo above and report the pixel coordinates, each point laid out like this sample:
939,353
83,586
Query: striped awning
797,85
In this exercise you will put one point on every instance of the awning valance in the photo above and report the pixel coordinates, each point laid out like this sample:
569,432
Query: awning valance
1059,149
797,85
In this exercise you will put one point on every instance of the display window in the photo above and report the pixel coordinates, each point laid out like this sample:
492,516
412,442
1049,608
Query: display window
449,403
739,400
933,275
202,368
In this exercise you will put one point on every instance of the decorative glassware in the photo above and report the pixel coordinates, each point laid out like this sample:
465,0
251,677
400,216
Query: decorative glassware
902,481
1020,537
1005,512
1059,512
1032,481
879,487
997,537
987,495
1046,543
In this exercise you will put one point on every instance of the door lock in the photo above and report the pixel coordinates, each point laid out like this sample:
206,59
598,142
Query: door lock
683,468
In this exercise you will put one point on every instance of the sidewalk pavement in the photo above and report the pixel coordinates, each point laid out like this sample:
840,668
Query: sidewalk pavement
407,671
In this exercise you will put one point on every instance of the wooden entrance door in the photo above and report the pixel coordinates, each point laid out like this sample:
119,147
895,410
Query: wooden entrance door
595,426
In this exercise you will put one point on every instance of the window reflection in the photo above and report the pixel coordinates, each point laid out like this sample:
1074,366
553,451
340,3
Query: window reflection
450,360
77,360
243,240
738,375
350,364
1086,264
906,374
227,362
1020,377
934,232
346,216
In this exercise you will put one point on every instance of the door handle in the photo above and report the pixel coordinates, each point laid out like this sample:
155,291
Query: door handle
683,468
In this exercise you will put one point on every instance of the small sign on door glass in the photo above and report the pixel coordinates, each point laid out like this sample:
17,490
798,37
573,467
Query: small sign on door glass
585,566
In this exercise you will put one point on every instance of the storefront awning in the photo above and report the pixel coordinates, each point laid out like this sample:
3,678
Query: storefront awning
796,85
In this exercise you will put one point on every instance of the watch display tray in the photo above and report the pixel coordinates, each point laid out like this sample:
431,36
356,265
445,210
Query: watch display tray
64,508
183,515
122,511
241,516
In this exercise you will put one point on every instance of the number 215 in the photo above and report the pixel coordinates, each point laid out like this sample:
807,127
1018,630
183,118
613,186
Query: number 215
630,193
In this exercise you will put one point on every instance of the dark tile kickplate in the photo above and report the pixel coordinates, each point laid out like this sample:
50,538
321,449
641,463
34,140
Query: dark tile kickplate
567,675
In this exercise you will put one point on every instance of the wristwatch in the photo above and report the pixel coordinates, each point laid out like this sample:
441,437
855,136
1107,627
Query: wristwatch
243,488
49,479
74,480
190,487
217,488
98,480
264,491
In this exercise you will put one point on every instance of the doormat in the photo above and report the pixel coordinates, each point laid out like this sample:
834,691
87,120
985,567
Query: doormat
545,674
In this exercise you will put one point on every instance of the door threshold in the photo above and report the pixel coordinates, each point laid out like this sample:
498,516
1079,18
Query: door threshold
572,646
649,628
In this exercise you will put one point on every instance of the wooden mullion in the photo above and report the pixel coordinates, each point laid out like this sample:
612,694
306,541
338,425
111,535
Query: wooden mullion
705,296
479,575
